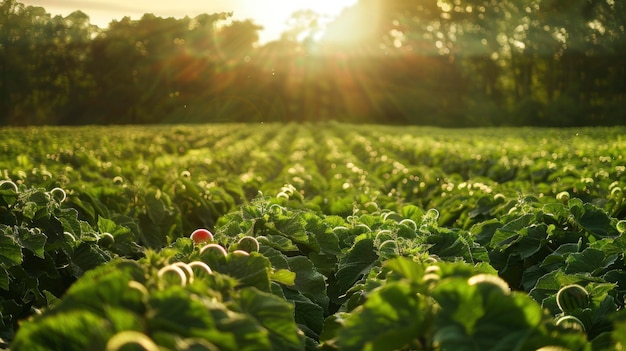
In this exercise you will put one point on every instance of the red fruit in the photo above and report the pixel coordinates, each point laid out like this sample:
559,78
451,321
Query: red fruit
201,235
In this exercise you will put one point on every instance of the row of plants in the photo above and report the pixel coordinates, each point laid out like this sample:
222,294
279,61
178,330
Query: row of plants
207,171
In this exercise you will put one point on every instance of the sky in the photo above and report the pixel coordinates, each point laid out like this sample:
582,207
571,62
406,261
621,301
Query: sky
271,14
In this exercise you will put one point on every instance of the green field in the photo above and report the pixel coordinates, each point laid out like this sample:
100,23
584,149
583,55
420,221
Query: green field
326,236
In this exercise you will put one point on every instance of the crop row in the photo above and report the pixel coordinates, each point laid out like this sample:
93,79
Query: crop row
333,167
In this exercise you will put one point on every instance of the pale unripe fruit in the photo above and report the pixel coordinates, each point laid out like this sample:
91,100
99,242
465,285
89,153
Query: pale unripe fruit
248,244
106,240
572,297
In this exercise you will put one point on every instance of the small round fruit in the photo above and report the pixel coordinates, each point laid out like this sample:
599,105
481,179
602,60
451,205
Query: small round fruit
621,226
248,244
563,196
571,322
388,249
106,240
213,255
572,297
201,236
489,282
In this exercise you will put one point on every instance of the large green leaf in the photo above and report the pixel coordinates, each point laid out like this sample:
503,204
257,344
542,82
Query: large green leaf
292,227
356,263
237,331
533,241
327,240
69,219
155,206
392,318
275,315
251,271
512,232
591,260
33,239
77,330
86,256
308,281
406,269
413,213
308,315
484,231
107,285
281,243
592,219
10,249
4,278
176,311
277,258
451,244
471,315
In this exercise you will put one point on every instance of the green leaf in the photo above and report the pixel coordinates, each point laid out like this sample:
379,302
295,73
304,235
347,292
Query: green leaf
155,234
281,243
309,282
291,227
327,240
391,319
283,276
34,240
123,319
236,331
4,278
252,270
253,211
483,232
589,261
325,264
86,256
309,316
533,241
619,332
555,280
593,219
471,315
355,264
511,232
332,325
176,311
450,244
413,213
106,225
277,258
557,258
10,250
155,207
72,331
461,305
104,286
69,219
406,268
275,315
551,282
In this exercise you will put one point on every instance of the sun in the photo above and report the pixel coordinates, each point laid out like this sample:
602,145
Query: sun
354,24
327,7
277,19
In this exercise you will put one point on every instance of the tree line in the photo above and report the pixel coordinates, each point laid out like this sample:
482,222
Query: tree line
451,63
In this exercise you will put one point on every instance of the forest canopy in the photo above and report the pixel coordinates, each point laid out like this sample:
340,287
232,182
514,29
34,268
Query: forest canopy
452,63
